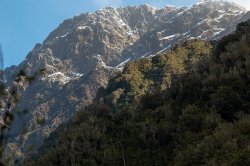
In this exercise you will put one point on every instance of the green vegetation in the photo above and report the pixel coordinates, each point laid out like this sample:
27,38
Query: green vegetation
30,147
42,72
189,106
149,76
25,131
30,79
22,76
40,121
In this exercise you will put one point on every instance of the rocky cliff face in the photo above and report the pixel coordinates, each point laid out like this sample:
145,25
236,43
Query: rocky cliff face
83,52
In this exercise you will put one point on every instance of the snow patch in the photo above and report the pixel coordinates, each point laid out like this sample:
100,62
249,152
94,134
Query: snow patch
121,65
221,16
76,75
178,14
218,31
145,55
82,27
164,49
62,36
169,37
58,77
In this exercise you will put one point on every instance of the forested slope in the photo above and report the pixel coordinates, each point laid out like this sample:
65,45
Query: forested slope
189,106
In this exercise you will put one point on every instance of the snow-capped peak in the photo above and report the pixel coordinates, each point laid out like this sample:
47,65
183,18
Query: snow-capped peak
225,3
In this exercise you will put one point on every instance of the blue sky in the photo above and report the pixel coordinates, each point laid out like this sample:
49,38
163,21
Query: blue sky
27,22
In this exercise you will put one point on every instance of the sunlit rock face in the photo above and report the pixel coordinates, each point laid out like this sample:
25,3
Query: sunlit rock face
81,55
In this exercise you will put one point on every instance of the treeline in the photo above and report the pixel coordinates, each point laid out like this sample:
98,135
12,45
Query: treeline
189,106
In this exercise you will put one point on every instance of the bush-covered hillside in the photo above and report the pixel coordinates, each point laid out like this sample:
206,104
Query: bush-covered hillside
189,106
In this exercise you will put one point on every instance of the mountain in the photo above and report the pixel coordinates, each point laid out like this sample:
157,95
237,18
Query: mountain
63,74
203,118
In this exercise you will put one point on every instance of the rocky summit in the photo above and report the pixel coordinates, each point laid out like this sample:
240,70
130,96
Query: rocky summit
63,74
